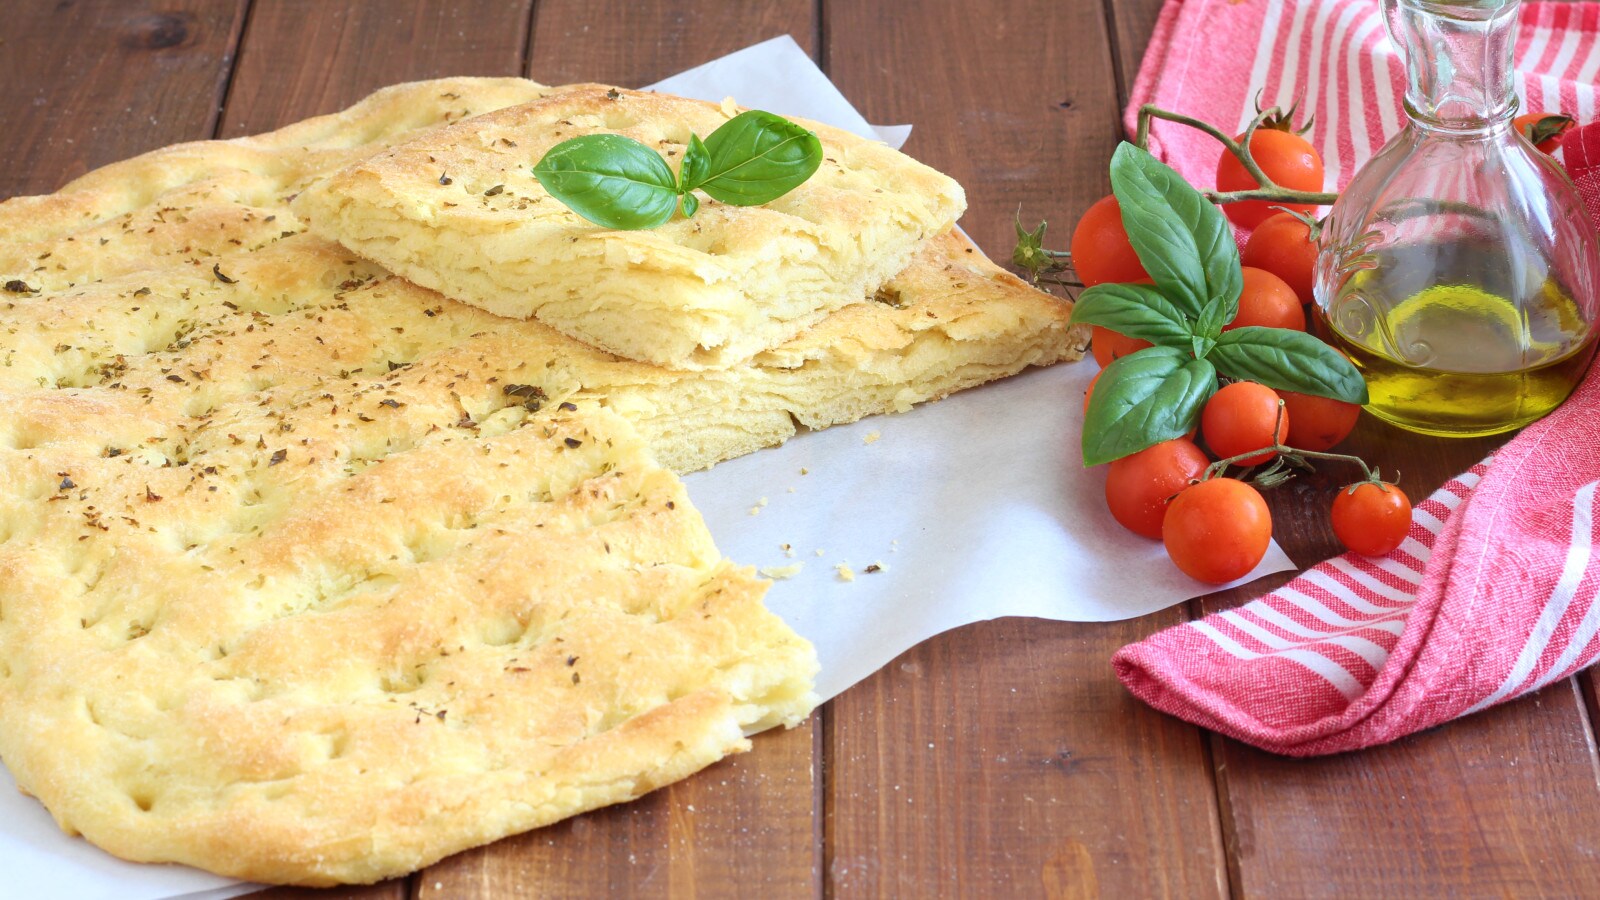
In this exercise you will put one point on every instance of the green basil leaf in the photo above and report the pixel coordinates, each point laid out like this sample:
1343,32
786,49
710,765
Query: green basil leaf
1134,310
611,180
1284,359
1182,239
1213,318
696,165
757,157
1145,398
691,204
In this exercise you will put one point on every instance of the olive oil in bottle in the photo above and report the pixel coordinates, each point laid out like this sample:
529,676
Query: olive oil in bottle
1455,359
1458,269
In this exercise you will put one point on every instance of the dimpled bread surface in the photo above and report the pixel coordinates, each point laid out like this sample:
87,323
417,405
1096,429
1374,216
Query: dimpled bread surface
329,608
296,552
459,210
310,628
189,202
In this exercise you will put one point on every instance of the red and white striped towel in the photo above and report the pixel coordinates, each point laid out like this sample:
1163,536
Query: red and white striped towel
1496,592
1337,55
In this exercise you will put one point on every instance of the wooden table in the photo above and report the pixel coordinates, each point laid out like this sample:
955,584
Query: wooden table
1003,758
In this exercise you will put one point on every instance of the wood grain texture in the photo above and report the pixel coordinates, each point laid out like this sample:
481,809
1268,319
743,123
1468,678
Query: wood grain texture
1005,757
1500,805
302,58
95,81
742,828
633,43
1131,24
1019,128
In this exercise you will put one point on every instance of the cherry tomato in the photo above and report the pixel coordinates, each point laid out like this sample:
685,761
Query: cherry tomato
1286,158
1138,487
1217,530
1108,345
1267,300
1242,417
1543,129
1371,518
1282,245
1317,423
1100,249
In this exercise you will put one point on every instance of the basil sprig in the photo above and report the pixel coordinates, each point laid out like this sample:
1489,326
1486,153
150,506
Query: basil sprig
617,182
1184,242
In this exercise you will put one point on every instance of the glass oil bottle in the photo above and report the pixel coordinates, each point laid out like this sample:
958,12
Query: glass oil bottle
1459,270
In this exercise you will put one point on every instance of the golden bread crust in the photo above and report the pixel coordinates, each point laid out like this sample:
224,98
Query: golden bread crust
327,612
459,211
294,553
197,200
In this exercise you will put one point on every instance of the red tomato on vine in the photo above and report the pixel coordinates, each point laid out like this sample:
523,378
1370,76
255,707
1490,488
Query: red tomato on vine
1286,158
1371,518
1217,530
1101,253
1282,245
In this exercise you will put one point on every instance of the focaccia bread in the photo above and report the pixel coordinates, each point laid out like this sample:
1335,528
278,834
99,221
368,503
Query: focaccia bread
459,210
191,202
328,622
304,311
309,574
337,627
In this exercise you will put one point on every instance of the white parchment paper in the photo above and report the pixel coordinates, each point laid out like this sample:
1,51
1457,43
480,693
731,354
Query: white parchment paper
971,508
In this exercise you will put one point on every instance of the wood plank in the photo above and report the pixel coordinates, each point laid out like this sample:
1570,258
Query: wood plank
1005,757
97,81
742,828
1030,128
747,826
306,57
300,58
631,43
1502,804
1131,24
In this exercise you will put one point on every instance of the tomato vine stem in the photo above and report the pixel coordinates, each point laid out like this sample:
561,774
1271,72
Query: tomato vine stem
1268,190
1285,455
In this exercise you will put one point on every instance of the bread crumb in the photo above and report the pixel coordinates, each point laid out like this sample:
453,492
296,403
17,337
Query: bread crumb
845,572
791,490
781,572
876,567
819,551
757,508
804,471
871,438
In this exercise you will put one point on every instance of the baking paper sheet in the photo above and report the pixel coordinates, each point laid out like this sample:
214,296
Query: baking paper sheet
972,508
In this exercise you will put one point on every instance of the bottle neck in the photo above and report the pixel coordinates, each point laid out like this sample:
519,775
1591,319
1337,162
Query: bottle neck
1458,60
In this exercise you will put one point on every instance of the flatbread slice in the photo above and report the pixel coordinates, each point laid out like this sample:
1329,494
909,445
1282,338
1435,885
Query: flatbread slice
333,635
459,211
192,202
302,313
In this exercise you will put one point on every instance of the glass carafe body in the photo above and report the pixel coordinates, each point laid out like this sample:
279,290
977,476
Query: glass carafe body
1459,269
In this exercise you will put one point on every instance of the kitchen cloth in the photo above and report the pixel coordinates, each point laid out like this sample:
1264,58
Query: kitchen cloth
1494,592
